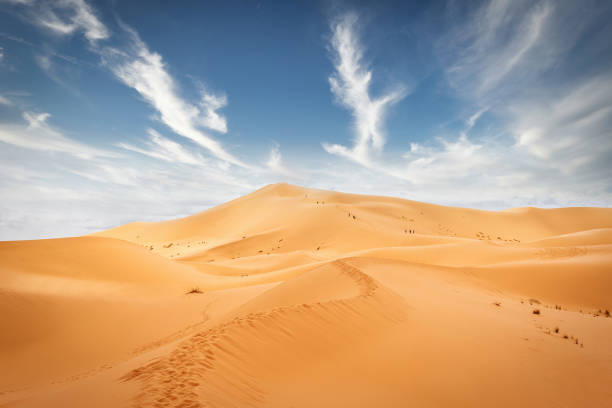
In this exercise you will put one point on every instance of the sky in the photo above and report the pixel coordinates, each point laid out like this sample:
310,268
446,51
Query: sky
121,111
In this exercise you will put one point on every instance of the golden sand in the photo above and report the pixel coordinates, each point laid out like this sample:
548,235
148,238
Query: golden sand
311,298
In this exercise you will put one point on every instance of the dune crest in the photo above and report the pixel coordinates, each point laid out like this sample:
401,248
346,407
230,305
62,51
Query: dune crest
291,296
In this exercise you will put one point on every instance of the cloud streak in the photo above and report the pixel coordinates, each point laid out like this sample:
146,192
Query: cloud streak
571,132
140,69
276,166
496,44
39,135
517,57
81,18
146,72
65,17
350,84
162,148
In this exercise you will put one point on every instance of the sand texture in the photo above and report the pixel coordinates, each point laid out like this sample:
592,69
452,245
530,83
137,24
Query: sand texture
296,297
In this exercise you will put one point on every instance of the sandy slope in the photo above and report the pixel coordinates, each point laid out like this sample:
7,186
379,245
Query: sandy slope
314,298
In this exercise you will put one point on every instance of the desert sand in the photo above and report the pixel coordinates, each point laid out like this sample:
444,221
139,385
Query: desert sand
296,297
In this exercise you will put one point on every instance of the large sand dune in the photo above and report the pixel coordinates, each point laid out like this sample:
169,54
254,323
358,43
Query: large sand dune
312,298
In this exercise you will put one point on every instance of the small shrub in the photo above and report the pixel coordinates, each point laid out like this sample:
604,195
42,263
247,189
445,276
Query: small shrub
536,311
565,336
195,290
556,330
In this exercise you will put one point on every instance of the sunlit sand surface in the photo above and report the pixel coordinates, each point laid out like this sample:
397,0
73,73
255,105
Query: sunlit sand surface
295,297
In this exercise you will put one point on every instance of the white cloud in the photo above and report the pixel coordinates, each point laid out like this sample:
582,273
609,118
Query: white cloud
141,69
23,2
145,72
15,39
452,161
5,101
64,17
498,42
39,135
54,185
165,149
350,85
275,163
83,189
44,62
209,117
528,63
472,119
513,56
569,132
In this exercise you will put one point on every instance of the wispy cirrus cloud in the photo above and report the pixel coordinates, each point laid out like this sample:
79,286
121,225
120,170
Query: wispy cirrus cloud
145,72
86,188
506,61
276,165
17,1
83,188
162,148
350,84
65,17
532,63
209,116
141,69
495,46
571,132
37,134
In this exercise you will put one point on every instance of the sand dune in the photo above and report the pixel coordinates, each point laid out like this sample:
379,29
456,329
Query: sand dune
310,298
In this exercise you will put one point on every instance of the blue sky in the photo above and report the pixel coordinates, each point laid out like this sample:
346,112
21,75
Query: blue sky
117,111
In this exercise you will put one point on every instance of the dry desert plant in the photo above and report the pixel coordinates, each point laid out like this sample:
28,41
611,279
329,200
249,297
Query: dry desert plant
195,290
